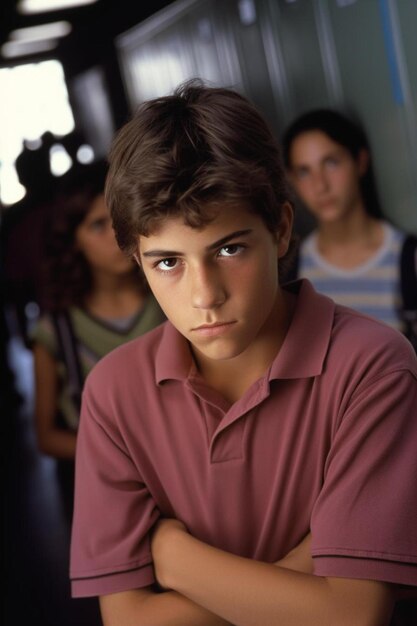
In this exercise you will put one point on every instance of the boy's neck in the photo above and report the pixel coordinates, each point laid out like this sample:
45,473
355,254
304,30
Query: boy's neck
233,377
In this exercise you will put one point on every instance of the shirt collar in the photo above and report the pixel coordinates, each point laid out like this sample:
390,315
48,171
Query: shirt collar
302,353
173,357
306,343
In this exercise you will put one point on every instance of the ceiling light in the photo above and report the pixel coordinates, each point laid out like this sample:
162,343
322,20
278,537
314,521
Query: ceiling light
247,12
43,31
59,160
19,48
85,154
40,6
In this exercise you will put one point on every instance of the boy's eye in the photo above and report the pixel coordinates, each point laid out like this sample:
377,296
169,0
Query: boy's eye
230,250
165,265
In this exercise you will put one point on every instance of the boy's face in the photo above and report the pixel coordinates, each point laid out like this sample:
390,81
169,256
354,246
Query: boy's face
325,175
218,285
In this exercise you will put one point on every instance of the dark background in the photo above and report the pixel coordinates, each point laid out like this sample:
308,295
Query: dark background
91,41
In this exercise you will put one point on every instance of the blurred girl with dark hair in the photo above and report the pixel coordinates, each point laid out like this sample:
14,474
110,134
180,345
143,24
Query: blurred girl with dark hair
94,300
354,255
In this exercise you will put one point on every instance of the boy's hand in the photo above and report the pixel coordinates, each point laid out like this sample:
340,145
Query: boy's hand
165,536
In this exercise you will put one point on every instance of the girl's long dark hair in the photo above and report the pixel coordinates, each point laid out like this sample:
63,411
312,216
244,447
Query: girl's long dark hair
67,274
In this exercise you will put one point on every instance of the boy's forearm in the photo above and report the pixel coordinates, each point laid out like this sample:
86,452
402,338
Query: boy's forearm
251,593
299,558
146,608
173,609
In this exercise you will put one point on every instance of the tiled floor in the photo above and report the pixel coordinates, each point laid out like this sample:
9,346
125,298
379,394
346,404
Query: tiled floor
36,530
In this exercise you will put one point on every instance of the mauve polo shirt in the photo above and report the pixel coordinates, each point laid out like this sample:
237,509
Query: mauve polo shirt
327,439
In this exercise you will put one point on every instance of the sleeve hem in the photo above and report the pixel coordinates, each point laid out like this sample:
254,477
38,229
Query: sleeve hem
399,573
364,554
112,583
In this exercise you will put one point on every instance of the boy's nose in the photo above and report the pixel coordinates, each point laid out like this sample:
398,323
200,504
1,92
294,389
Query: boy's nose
207,289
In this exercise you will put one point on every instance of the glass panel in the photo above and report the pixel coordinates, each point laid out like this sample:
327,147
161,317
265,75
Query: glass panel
295,26
373,96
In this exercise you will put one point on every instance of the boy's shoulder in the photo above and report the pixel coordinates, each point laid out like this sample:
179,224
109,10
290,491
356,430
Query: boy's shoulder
368,344
341,342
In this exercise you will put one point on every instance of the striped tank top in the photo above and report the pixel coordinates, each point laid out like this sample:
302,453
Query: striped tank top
373,288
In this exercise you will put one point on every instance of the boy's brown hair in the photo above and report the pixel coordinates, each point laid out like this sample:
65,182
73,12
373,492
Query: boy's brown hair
181,154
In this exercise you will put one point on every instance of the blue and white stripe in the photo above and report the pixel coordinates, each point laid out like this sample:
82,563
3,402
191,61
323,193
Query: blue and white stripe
373,288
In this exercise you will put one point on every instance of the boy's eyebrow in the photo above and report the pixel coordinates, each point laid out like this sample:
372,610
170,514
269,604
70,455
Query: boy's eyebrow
215,244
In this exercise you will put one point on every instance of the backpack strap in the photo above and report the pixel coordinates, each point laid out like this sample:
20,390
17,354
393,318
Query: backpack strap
69,352
408,282
292,271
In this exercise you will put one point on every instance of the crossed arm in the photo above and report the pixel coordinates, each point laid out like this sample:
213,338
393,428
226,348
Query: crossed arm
210,587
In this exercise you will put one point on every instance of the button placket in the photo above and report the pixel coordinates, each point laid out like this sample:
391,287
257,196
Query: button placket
226,440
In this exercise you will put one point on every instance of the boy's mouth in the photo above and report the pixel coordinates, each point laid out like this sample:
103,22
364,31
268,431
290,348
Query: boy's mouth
216,328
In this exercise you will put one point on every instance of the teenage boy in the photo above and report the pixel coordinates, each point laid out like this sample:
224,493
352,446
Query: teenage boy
255,414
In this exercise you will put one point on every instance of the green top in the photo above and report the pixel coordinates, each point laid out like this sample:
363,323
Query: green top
95,337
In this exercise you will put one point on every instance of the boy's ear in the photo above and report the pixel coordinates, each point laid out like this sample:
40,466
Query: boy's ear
284,231
363,161
136,258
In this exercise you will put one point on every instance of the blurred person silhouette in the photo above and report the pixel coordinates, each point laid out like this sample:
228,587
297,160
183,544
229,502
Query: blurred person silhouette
34,169
94,300
354,254
10,398
24,222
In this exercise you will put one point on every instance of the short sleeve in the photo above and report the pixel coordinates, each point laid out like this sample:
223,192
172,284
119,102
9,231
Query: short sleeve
364,523
113,510
44,334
